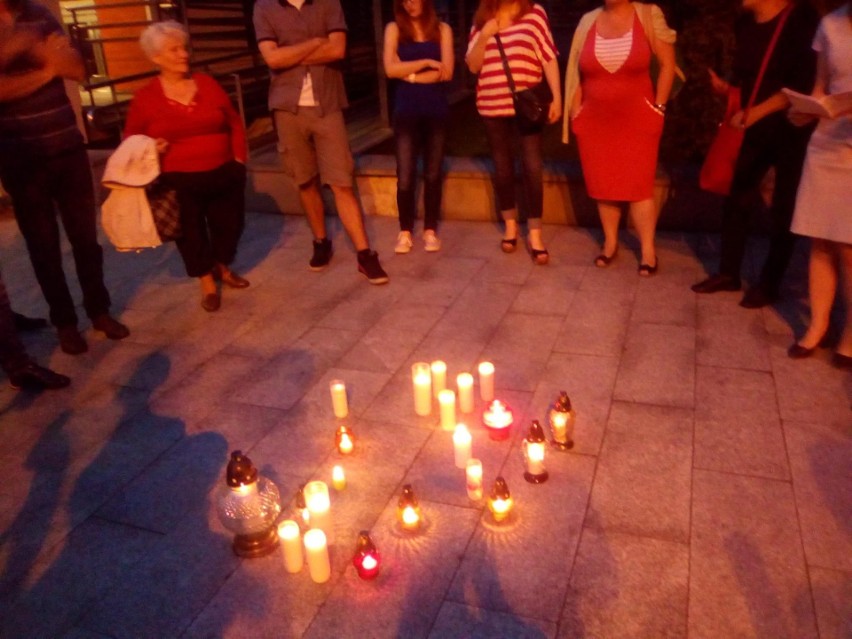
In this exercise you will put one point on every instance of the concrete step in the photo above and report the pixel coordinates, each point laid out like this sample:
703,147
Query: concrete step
469,194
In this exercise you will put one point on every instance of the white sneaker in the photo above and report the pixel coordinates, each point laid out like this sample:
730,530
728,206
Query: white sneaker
403,242
431,241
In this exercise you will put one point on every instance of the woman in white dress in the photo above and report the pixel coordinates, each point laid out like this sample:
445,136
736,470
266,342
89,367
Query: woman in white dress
823,210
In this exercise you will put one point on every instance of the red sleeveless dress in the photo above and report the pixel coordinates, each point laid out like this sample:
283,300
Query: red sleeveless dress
618,132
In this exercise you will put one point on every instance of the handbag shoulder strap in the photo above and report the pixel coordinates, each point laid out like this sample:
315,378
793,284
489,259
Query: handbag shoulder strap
765,62
505,65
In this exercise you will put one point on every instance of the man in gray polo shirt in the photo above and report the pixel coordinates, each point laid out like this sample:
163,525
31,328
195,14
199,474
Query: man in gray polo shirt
302,41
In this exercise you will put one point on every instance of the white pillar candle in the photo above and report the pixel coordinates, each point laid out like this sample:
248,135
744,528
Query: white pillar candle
465,385
319,564
291,542
447,400
339,403
461,445
421,377
486,381
338,478
473,479
319,506
439,376
535,458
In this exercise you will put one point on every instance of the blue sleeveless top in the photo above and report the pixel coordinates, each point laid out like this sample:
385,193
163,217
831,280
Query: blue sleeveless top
420,99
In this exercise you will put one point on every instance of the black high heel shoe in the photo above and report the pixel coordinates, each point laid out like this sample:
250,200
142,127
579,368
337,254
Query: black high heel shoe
540,257
646,270
509,245
603,260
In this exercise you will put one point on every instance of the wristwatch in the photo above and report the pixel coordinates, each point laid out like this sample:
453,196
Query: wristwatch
660,107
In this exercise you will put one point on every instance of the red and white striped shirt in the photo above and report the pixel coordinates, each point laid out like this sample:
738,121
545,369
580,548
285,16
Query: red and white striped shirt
528,44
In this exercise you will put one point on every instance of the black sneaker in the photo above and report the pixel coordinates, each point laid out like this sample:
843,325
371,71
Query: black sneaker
24,323
34,377
70,340
322,254
368,264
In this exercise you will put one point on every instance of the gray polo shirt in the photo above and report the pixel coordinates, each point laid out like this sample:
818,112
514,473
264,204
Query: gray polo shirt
284,24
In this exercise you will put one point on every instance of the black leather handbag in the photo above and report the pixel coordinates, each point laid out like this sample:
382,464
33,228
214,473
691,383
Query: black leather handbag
531,105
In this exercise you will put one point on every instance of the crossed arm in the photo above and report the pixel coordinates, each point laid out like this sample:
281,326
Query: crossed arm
313,51
58,59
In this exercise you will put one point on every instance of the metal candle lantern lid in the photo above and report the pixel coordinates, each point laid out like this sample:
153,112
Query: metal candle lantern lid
562,403
408,497
500,489
536,433
241,472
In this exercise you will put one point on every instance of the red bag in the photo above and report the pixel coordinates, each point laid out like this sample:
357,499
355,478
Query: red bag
717,172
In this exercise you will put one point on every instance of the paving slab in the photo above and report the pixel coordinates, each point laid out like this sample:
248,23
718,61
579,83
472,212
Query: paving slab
707,493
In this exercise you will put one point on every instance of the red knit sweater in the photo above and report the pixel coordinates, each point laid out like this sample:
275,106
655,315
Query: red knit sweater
202,135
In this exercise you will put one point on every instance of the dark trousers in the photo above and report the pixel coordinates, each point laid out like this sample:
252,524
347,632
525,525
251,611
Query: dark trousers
212,215
39,186
416,135
12,354
785,150
501,137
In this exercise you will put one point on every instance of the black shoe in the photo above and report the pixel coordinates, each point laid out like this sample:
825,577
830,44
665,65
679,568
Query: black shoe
35,377
843,362
716,283
797,351
24,323
70,340
230,279
758,297
368,264
322,254
211,302
646,270
110,327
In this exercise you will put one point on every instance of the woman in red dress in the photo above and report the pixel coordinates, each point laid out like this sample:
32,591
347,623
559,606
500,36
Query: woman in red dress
617,115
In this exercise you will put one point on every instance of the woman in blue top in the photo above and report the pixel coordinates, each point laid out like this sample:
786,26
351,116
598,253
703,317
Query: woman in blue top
418,51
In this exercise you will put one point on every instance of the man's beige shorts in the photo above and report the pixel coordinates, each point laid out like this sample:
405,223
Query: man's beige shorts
312,145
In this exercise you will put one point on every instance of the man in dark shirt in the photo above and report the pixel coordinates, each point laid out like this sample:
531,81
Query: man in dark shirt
302,41
770,141
43,164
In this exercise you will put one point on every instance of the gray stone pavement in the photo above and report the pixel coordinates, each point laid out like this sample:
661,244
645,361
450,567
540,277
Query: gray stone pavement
709,493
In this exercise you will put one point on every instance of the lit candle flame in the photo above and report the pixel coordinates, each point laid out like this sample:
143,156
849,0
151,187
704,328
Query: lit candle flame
410,516
345,444
369,562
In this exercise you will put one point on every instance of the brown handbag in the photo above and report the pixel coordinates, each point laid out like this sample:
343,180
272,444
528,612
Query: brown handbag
717,172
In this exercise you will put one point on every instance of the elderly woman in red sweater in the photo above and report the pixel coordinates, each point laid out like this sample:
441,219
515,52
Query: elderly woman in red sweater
202,143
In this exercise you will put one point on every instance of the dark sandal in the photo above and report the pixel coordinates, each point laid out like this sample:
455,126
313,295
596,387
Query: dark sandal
602,261
509,246
646,270
540,257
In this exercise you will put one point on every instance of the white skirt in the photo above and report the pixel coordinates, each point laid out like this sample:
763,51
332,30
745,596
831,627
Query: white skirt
824,200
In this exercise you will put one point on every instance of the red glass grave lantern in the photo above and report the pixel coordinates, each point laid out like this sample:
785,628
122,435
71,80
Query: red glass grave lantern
498,419
367,559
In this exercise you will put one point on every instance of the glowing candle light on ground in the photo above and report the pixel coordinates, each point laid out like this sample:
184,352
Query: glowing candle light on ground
291,542
338,478
447,401
345,440
408,510
439,376
319,506
410,518
339,403
421,377
500,501
473,479
316,547
486,381
461,445
498,420
464,381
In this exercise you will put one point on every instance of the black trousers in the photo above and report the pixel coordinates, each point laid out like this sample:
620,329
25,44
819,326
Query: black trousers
37,188
12,354
212,215
782,147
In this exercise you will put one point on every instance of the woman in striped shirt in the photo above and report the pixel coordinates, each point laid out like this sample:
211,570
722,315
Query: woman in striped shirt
525,34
